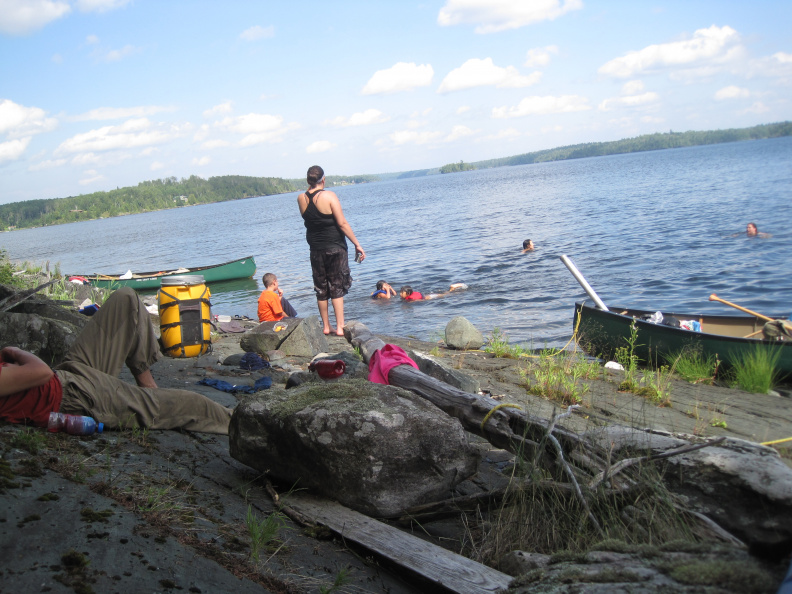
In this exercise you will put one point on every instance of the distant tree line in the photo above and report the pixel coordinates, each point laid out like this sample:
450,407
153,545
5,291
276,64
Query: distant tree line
647,142
146,196
171,192
454,167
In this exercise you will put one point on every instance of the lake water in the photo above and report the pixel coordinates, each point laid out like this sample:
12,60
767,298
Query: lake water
651,230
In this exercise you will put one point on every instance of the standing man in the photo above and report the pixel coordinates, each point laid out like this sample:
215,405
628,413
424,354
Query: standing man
326,230
272,305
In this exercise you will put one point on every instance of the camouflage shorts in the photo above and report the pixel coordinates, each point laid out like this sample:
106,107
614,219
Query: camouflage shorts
331,275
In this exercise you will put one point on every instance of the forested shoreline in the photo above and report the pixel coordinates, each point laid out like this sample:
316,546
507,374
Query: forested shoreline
173,193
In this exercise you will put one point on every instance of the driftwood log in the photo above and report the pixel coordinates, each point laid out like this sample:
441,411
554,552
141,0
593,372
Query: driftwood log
508,428
579,467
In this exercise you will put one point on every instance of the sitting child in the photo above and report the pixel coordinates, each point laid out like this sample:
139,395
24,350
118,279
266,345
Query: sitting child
384,291
272,305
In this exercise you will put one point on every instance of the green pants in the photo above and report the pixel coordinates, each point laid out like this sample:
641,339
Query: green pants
121,332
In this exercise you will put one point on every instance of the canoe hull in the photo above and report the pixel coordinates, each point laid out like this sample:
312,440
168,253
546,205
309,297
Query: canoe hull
148,281
600,333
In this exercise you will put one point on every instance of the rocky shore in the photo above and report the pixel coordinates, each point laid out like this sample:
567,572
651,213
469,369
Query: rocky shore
138,511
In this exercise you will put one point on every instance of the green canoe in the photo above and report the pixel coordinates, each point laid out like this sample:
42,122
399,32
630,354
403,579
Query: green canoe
143,281
601,332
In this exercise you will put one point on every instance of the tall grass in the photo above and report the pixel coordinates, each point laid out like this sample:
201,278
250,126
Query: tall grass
693,366
756,371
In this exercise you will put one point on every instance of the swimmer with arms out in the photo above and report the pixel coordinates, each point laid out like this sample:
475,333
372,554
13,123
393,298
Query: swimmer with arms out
408,294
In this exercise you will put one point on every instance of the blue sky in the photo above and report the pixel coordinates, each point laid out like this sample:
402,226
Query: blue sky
98,94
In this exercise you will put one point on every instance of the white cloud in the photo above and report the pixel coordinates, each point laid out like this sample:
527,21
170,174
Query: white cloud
86,159
94,176
632,88
100,5
257,32
48,164
257,127
202,161
120,54
540,56
91,40
363,118
779,65
458,132
226,107
732,92
20,17
782,58
400,77
715,44
652,120
480,73
491,16
629,101
542,105
412,137
462,109
505,134
134,133
157,165
757,108
11,150
120,113
320,146
213,144
17,120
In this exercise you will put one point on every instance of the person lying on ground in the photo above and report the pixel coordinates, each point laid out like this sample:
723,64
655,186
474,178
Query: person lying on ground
384,291
272,305
408,294
87,381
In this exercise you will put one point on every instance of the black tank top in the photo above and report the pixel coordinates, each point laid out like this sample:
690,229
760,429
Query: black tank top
322,232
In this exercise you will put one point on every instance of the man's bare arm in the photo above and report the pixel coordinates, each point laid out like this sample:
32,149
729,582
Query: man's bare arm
24,371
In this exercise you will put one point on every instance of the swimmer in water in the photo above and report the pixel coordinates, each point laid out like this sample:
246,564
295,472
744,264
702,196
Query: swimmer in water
528,246
408,294
384,291
752,231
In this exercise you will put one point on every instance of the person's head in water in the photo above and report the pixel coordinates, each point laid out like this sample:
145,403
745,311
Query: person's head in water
751,230
405,291
528,245
315,175
381,284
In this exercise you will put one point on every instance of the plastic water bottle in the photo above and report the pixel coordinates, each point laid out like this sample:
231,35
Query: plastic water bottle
73,424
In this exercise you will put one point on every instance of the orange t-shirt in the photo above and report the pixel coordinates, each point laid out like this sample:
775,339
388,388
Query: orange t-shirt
269,307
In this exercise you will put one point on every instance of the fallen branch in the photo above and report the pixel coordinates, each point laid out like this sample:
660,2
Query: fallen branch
627,462
288,511
20,296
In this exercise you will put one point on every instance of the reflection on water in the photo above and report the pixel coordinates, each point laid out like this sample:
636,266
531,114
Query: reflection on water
648,230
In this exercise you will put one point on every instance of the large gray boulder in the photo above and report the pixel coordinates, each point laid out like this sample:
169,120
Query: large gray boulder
744,487
300,337
374,448
460,334
50,338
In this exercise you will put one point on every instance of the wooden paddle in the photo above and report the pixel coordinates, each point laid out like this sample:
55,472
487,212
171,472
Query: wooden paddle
785,323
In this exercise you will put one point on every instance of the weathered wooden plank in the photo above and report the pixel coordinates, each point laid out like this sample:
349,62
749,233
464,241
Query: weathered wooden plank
434,563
